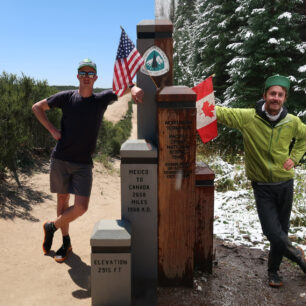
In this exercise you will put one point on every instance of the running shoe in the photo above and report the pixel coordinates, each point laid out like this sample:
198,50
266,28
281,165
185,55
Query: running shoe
62,253
274,280
49,232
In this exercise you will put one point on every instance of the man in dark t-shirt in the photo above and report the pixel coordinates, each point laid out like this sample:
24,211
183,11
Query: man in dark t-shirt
71,159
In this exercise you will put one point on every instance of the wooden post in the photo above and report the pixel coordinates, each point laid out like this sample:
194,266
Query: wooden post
154,38
203,251
176,188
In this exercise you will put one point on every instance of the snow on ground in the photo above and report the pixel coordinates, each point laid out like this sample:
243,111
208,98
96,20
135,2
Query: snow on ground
236,218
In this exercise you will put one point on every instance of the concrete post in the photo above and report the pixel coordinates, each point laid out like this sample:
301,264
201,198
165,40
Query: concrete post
139,207
111,263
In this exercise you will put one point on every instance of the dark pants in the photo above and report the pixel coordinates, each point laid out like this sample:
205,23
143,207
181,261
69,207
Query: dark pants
274,204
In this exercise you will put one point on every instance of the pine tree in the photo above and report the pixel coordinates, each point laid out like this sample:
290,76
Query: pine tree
183,42
215,28
172,11
268,43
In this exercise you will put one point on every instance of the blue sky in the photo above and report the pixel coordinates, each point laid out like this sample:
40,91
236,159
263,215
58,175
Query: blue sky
46,39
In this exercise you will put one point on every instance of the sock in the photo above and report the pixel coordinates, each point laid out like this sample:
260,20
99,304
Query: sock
66,241
53,226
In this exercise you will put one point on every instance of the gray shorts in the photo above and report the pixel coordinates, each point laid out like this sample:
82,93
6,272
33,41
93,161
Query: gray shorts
68,177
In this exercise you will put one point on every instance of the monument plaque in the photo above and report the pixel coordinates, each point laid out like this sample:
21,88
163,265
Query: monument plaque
176,188
139,207
111,263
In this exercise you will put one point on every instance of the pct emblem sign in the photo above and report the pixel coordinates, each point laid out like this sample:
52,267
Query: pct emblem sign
156,62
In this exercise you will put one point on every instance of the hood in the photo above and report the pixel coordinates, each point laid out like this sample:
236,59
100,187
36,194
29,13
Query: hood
262,114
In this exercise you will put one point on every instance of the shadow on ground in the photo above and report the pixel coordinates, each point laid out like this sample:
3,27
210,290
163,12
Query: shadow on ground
18,202
80,273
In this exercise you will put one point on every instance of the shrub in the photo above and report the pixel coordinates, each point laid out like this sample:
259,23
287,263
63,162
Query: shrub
111,136
20,132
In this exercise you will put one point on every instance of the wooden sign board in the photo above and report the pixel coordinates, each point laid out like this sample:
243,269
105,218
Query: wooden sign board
176,188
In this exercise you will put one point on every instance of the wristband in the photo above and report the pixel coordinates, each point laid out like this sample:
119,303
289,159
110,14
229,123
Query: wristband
131,85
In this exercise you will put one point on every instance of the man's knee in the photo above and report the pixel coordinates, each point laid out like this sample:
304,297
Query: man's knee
279,239
81,210
63,198
81,204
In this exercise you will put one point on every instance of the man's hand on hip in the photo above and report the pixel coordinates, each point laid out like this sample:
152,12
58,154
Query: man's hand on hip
289,164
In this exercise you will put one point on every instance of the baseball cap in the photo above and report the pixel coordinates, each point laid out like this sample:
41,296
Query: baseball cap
87,63
277,80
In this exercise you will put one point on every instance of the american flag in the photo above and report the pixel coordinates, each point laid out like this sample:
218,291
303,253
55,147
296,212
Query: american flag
128,62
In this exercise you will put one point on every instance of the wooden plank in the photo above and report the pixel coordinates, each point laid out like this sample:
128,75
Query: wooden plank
176,94
167,46
203,251
153,26
153,33
176,195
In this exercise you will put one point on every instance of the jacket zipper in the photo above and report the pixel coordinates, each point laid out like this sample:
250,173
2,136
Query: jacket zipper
269,162
270,155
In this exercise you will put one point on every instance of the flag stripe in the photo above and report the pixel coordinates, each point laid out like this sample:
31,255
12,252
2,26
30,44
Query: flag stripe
128,62
208,132
204,88
206,114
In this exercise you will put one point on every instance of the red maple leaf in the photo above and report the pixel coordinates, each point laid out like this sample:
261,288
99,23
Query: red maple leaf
208,109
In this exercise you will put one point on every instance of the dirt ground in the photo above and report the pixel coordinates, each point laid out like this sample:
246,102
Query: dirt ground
27,277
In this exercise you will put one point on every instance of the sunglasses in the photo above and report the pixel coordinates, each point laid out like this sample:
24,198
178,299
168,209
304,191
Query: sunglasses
90,74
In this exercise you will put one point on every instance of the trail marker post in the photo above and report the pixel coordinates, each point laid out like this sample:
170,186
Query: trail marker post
155,44
176,188
163,197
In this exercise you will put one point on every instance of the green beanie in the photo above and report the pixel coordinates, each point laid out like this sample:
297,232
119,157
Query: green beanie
277,80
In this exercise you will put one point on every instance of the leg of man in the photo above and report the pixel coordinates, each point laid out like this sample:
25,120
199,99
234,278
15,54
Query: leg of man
283,199
66,178
274,207
268,212
73,212
62,205
70,214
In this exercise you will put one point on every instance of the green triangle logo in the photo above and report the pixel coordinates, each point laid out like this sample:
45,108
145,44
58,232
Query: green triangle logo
154,61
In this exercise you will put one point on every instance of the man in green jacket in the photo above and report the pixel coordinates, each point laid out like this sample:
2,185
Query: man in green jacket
267,133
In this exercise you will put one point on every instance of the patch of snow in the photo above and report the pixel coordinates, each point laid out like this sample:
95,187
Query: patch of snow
286,15
248,34
301,47
238,9
302,68
273,41
273,29
301,113
236,60
222,25
258,11
234,46
235,214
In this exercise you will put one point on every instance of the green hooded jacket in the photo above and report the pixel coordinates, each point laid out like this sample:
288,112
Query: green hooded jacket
266,145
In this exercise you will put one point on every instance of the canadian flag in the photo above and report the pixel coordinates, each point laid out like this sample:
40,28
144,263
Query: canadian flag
206,113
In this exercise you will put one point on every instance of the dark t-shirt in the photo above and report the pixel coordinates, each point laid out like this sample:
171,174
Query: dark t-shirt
80,123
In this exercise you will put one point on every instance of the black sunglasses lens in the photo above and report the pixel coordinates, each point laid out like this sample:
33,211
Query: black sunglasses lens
84,73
